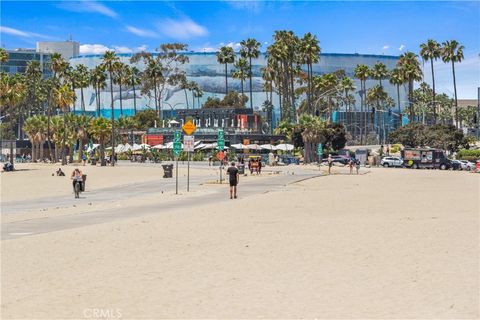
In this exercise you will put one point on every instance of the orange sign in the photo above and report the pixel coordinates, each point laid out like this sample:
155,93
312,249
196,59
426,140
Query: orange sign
220,155
189,128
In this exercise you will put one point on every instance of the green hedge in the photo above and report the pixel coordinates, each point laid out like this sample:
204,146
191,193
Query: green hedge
471,155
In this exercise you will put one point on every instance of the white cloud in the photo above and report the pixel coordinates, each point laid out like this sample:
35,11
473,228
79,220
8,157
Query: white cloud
143,47
208,49
121,49
234,46
181,29
250,5
385,47
402,46
21,33
140,32
88,6
93,49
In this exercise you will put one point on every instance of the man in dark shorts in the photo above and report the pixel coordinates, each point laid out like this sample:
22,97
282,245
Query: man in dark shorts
234,178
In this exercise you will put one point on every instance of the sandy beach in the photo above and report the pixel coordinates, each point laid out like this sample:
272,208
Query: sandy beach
389,243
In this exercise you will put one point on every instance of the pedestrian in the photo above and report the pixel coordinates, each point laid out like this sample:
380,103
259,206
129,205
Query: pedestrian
259,166
84,159
350,165
330,163
210,160
234,178
357,165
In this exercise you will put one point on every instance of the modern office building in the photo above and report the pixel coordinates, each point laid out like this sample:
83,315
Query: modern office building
68,49
19,58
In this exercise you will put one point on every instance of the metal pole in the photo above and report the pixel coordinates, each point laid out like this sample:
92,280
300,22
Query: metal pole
176,176
221,171
188,172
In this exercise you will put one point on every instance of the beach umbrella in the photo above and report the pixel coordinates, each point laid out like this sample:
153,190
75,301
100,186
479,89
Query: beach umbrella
159,147
253,147
137,147
285,147
268,147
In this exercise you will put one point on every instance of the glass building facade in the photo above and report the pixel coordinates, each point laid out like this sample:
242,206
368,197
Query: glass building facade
204,69
18,60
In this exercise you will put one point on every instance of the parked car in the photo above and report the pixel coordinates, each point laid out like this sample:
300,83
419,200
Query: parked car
391,162
467,165
456,165
337,159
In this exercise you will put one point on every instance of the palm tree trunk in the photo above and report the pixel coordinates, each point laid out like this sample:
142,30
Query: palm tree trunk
134,98
41,150
102,153
410,100
186,96
64,155
241,84
121,104
155,93
250,67
113,120
226,81
434,107
455,92
399,108
83,101
73,89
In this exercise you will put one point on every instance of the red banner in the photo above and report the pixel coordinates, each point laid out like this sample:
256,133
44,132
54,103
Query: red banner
153,139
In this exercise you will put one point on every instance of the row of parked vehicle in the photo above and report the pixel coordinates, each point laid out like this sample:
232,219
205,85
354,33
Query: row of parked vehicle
450,164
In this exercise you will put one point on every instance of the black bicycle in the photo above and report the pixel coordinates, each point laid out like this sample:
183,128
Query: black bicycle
77,189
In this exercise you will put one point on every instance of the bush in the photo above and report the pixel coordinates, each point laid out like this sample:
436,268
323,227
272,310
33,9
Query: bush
471,155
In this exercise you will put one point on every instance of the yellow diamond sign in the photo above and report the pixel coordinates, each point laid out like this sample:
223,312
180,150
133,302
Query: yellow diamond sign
189,128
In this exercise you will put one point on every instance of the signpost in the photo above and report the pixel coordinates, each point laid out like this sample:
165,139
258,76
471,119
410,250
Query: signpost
221,146
319,153
188,145
177,148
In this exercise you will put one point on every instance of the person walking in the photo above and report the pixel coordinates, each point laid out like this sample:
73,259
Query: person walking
234,178
350,165
357,165
330,163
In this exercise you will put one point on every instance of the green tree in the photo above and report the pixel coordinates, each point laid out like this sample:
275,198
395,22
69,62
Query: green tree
146,119
98,80
396,78
410,67
82,123
100,128
309,54
3,55
431,50
452,52
241,72
225,56
110,64
64,97
250,49
83,81
362,73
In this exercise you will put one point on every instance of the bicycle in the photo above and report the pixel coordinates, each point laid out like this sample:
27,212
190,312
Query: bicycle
77,189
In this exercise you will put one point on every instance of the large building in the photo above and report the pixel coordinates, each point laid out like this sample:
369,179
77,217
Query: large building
68,49
19,58
204,69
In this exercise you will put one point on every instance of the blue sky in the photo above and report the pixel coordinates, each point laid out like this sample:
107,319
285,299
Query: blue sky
375,27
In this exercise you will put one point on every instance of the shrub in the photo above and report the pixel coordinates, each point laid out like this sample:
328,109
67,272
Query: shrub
471,155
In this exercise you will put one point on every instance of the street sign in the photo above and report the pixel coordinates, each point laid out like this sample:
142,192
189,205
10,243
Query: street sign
189,127
177,135
220,155
319,149
188,143
177,147
221,140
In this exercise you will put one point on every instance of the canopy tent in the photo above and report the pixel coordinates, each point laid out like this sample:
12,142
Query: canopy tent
92,147
199,146
212,146
122,148
253,147
285,147
137,147
238,146
268,147
170,145
159,147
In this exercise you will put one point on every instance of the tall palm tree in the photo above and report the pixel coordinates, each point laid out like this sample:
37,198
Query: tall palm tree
241,71
379,72
250,49
63,97
98,81
100,128
452,52
3,55
310,54
347,85
431,50
136,79
225,56
81,123
397,79
83,81
410,67
110,60
30,127
362,73
121,77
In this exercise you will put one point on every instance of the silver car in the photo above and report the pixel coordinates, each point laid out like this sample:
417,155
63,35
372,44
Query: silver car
391,162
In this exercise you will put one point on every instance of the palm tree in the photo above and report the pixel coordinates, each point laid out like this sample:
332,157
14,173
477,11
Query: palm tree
310,54
63,97
127,124
362,72
109,61
121,78
453,52
396,78
100,128
57,129
185,85
241,72
347,85
83,81
197,93
251,50
225,56
376,98
98,82
431,50
410,67
30,127
3,55
136,79
82,122
379,72
312,128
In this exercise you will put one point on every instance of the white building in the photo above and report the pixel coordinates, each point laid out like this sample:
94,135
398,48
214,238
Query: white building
68,49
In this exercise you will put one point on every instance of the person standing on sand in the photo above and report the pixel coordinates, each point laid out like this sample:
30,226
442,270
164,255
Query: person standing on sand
357,165
330,163
234,178
350,165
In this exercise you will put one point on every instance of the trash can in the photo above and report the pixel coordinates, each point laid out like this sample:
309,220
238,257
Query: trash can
167,170
84,178
241,169
94,161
